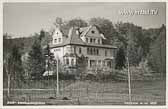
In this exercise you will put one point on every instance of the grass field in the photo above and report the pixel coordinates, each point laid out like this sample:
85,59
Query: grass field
92,93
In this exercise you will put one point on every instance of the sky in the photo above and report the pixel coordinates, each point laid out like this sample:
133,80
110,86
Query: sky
24,19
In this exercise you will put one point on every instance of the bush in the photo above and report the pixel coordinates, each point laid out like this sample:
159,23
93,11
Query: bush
140,72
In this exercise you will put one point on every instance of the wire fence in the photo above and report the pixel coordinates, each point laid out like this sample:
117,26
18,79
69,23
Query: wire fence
86,92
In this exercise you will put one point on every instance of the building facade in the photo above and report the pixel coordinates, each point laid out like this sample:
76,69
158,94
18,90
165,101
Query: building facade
76,42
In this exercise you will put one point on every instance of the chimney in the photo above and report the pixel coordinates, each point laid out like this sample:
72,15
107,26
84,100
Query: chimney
77,31
70,32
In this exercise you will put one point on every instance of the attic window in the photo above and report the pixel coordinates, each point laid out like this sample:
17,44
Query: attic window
55,40
80,50
90,40
93,31
59,39
86,39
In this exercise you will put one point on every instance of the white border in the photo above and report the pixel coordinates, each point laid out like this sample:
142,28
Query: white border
70,106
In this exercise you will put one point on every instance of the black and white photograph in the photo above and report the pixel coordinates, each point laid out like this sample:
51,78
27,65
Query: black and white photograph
84,54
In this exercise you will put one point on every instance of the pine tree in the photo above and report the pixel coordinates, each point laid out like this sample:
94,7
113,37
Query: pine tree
120,58
36,61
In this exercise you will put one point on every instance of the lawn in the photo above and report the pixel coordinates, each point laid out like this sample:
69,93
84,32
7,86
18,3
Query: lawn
92,93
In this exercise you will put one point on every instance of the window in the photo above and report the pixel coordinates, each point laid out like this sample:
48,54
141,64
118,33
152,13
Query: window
94,40
94,51
103,63
90,40
111,52
72,62
55,40
59,39
99,62
74,49
67,61
93,32
97,51
92,63
87,50
105,52
91,51
68,49
98,41
80,50
86,39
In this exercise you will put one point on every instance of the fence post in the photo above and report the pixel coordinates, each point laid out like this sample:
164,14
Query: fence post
9,86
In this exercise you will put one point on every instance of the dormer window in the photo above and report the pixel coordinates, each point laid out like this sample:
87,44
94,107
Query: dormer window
55,40
59,39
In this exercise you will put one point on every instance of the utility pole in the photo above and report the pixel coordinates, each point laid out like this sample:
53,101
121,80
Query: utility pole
57,79
129,77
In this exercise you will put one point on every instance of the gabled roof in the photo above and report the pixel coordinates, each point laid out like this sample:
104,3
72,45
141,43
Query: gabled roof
85,30
73,38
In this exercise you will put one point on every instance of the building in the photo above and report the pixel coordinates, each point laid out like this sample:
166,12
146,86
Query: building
67,46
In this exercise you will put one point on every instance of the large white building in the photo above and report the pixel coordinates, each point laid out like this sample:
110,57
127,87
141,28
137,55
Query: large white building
67,46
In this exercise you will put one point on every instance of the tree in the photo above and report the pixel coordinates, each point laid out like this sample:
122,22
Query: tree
49,57
42,35
12,64
120,58
157,56
36,61
58,22
44,38
81,64
76,22
13,67
131,38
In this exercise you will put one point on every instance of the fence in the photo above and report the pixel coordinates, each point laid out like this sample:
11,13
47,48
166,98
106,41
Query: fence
86,92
